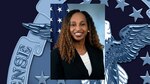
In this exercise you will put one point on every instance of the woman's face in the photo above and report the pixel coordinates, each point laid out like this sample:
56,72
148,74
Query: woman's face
78,26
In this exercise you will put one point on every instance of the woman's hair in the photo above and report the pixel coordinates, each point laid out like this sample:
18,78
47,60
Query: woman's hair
65,40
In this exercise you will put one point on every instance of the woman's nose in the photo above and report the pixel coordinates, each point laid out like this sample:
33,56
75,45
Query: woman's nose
78,27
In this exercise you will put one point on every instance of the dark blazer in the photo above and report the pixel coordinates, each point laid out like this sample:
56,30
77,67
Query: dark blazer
60,69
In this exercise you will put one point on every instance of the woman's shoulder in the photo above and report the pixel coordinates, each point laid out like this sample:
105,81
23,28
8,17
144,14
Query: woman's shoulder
95,48
98,50
55,51
55,54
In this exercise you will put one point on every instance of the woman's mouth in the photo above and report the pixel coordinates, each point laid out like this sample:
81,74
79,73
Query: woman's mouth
78,34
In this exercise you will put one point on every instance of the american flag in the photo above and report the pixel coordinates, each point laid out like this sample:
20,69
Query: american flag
58,12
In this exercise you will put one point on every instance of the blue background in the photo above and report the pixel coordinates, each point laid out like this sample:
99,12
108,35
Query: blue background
12,14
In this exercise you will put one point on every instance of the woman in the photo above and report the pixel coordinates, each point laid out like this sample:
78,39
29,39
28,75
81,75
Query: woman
78,53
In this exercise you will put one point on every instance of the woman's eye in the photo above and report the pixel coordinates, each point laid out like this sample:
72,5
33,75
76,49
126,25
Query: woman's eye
82,24
72,25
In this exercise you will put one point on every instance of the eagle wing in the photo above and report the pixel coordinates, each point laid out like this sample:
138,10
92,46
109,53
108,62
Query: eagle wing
133,38
42,30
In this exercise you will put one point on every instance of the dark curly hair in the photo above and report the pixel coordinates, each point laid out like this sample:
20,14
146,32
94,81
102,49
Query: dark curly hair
65,40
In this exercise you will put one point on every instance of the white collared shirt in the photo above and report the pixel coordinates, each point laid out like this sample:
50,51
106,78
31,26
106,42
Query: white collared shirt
86,60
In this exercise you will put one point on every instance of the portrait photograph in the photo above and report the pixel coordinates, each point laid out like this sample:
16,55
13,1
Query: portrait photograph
77,41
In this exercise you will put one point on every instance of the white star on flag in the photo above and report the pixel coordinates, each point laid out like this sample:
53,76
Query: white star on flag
59,9
59,20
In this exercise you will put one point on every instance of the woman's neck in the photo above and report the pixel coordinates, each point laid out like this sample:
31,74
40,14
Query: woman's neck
80,47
